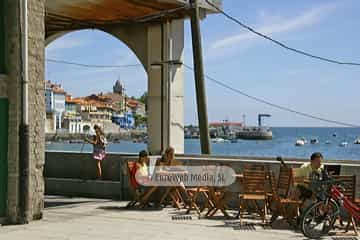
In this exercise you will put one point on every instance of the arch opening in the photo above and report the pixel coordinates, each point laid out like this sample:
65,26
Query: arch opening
79,97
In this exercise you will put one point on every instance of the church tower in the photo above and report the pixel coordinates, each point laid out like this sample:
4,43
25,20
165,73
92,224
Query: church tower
118,88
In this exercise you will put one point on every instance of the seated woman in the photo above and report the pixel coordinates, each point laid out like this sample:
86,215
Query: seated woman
168,161
142,173
168,158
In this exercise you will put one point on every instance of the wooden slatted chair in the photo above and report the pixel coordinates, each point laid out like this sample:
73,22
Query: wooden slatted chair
141,198
254,167
281,203
195,193
269,195
218,197
253,192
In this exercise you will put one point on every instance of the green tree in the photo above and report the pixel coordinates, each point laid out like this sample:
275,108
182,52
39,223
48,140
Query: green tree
143,99
139,120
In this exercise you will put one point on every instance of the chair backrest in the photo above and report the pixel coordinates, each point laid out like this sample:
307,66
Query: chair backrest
284,181
254,181
350,185
131,177
254,167
272,183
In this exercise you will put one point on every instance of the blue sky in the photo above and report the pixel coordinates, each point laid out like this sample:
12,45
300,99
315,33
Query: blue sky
242,60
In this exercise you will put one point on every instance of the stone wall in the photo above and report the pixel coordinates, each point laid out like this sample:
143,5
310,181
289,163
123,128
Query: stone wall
63,169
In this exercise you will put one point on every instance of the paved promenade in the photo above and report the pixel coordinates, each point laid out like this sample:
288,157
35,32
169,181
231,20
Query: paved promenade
90,219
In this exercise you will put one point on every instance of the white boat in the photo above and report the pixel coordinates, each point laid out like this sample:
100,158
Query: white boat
304,139
218,140
343,144
300,142
357,141
327,142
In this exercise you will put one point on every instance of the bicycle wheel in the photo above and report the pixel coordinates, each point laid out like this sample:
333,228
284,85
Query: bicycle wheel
318,219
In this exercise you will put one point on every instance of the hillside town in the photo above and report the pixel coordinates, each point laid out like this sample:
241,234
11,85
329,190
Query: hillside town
113,111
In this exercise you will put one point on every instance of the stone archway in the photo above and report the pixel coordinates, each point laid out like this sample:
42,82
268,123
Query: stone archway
153,35
154,44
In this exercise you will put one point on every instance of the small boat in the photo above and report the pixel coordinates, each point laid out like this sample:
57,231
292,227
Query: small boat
327,142
314,141
304,139
334,135
299,142
343,144
357,141
218,140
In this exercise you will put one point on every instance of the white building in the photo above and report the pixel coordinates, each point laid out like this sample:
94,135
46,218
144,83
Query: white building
55,106
73,124
72,118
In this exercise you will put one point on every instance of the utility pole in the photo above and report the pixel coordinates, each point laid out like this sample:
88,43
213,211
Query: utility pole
199,78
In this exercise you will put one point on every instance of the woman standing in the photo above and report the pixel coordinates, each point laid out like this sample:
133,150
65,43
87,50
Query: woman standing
99,145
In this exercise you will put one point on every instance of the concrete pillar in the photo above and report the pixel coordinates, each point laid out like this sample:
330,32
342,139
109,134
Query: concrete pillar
36,14
165,87
13,94
156,44
36,30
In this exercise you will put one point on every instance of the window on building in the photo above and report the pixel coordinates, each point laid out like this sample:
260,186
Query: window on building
2,37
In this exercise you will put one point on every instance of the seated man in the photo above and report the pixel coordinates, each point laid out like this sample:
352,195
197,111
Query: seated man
308,171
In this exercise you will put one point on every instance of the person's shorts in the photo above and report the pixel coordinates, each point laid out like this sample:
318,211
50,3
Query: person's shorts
305,193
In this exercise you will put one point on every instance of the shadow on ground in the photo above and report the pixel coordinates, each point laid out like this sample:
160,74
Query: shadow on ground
136,209
53,204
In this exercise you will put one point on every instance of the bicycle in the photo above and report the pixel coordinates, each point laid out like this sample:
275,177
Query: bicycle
319,218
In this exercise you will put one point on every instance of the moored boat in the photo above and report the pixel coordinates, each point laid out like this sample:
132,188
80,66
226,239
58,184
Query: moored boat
300,142
255,133
218,140
343,144
314,141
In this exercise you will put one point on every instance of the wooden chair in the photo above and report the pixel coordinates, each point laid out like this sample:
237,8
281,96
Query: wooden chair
350,189
174,194
272,188
254,167
281,203
138,198
136,194
218,197
254,191
195,193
